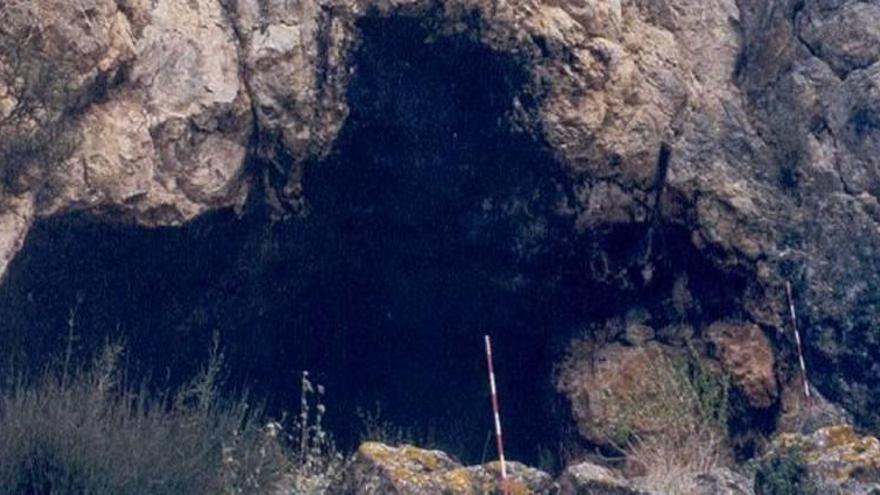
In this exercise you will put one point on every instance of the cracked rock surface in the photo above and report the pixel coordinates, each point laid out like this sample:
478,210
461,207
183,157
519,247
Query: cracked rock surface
752,125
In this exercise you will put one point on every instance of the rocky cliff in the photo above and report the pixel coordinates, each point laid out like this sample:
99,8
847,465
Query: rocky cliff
749,129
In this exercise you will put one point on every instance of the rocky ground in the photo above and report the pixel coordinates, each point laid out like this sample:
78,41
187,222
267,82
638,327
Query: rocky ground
748,131
838,462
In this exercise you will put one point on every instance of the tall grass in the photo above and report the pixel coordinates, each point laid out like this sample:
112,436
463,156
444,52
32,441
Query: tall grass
89,434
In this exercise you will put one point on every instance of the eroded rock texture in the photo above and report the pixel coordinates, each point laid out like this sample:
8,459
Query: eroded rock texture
837,459
746,131
377,468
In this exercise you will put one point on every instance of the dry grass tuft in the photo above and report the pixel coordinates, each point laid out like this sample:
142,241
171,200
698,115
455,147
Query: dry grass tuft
88,434
672,465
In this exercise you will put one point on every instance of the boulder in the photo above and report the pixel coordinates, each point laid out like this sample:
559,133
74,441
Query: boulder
379,469
619,391
523,479
746,355
586,478
723,481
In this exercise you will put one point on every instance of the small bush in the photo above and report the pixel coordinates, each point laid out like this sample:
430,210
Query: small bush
712,390
89,435
784,475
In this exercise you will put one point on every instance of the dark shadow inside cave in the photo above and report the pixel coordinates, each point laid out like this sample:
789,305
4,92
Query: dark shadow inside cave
434,221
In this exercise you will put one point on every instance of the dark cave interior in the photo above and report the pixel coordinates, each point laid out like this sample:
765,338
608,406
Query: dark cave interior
434,221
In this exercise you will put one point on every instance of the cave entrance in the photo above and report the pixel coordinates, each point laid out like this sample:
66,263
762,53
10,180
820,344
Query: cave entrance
439,216
436,219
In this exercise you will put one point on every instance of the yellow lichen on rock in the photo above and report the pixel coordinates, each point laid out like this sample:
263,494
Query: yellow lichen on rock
406,466
459,481
406,470
835,454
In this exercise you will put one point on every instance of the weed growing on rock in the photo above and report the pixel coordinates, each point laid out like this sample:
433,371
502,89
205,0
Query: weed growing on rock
712,390
308,467
317,463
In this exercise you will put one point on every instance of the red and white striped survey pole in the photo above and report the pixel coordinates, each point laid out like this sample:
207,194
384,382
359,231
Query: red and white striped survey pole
797,339
498,437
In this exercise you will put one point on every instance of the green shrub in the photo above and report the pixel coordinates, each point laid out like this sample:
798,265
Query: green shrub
712,389
88,435
784,475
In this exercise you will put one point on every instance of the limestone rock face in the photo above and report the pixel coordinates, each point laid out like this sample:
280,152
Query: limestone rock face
381,469
150,118
295,54
814,103
14,225
752,125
